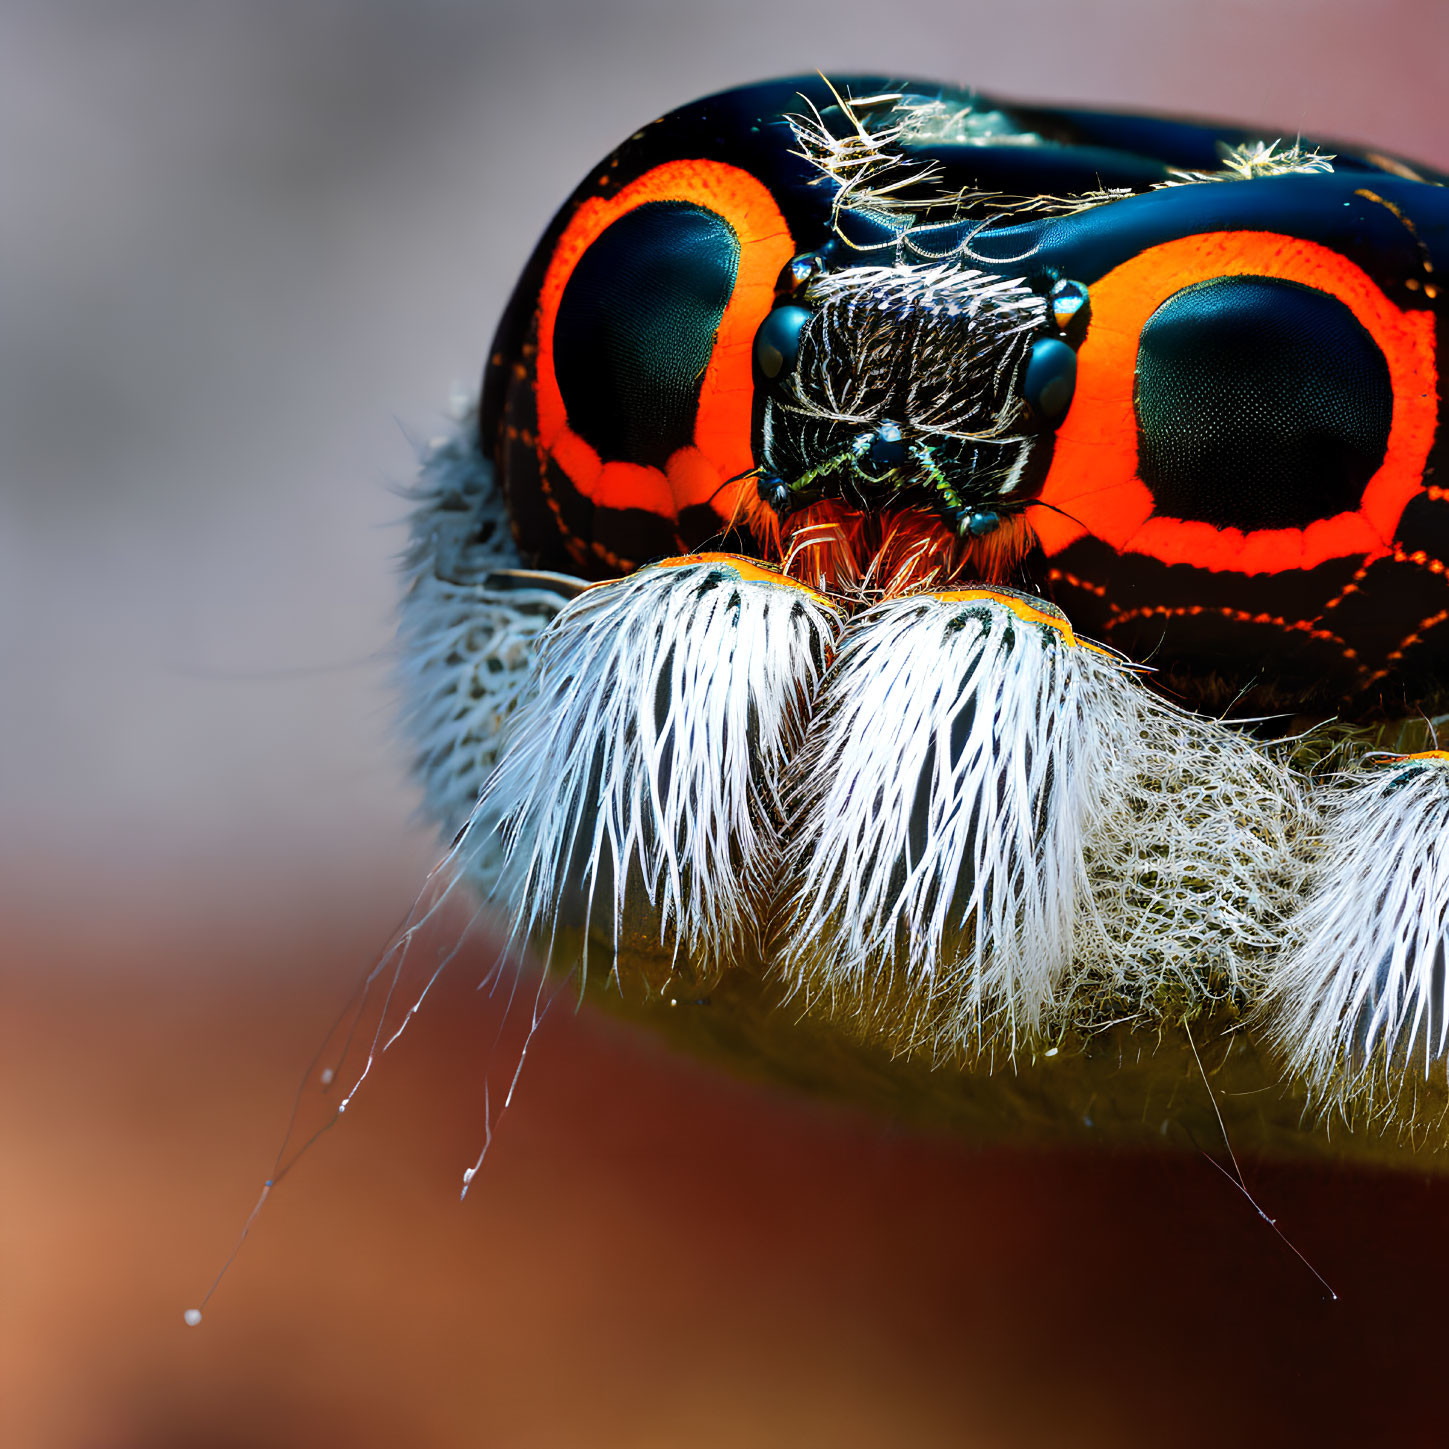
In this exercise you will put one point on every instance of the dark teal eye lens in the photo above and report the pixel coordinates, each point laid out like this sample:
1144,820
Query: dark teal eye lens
778,340
636,328
774,491
1261,403
886,452
1051,380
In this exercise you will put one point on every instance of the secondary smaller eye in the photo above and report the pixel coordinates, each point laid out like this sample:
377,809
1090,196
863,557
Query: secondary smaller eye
1069,306
778,340
1051,380
886,450
774,491
802,270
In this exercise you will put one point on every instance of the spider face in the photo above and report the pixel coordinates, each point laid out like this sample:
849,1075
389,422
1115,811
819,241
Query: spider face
926,386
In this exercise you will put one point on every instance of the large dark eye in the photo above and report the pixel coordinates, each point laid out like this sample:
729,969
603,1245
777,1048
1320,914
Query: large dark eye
636,326
1261,403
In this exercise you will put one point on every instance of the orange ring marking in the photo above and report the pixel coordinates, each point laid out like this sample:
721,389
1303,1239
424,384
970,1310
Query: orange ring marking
726,398
1094,468
630,485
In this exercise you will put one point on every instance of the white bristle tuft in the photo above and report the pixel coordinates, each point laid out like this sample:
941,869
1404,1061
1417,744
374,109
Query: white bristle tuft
936,863
1360,1004
638,787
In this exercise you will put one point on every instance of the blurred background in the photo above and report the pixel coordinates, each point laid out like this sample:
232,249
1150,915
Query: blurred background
248,252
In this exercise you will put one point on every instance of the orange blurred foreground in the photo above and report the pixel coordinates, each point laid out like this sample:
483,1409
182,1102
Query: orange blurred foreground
651,1254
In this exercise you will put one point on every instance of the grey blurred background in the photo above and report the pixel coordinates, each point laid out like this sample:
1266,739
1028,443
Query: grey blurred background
247,252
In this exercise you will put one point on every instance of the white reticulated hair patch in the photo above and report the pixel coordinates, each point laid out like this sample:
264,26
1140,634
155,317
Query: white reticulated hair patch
1196,860
935,867
638,787
1360,1004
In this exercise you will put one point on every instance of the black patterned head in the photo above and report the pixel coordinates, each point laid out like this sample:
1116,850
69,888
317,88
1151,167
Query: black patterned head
935,385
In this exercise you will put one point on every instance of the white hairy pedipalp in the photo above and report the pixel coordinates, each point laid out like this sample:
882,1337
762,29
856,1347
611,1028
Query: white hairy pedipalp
649,755
936,820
